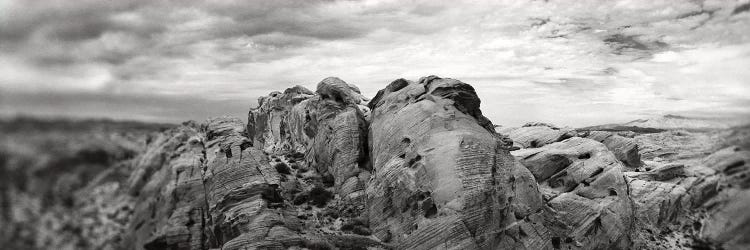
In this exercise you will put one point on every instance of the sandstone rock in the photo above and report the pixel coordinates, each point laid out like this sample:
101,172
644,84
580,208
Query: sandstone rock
583,183
441,176
266,125
169,207
329,127
728,223
693,205
339,91
657,205
534,135
625,149
418,167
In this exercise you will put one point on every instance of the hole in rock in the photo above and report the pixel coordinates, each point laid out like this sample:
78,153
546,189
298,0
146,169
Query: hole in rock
584,156
245,144
612,192
597,172
415,160
564,136
534,144
697,225
734,168
430,209
522,233
556,242
282,168
406,140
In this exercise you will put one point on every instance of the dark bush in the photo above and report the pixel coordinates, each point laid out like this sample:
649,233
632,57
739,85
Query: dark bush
328,180
319,196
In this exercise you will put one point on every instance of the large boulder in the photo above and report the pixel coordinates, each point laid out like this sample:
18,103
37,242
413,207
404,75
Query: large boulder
443,178
583,183
534,135
697,206
624,148
728,223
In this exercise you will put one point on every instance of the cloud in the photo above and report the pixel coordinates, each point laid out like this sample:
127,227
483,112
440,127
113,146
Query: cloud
530,60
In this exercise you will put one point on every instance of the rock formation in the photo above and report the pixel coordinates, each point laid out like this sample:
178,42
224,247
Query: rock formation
416,167
441,173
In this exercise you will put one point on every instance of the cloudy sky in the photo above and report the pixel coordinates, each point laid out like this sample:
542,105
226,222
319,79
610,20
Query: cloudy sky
568,62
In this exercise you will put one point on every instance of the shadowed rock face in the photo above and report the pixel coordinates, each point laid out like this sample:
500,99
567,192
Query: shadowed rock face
418,167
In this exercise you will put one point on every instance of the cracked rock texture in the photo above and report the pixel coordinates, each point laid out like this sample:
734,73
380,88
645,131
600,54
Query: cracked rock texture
417,167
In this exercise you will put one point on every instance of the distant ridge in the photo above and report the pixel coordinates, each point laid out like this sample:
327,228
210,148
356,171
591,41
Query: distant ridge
670,122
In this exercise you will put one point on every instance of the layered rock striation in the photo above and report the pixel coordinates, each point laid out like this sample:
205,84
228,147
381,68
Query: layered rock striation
418,167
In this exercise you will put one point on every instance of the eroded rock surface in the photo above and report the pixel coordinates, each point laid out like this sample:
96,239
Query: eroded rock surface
582,182
441,174
533,135
417,167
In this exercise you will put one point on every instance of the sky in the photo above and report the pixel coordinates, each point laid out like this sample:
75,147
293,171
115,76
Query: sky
572,63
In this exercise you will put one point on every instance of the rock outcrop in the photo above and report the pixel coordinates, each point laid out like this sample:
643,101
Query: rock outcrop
533,135
441,173
417,167
625,149
328,127
210,188
583,182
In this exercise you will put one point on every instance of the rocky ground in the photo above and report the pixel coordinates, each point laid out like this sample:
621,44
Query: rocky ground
416,167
